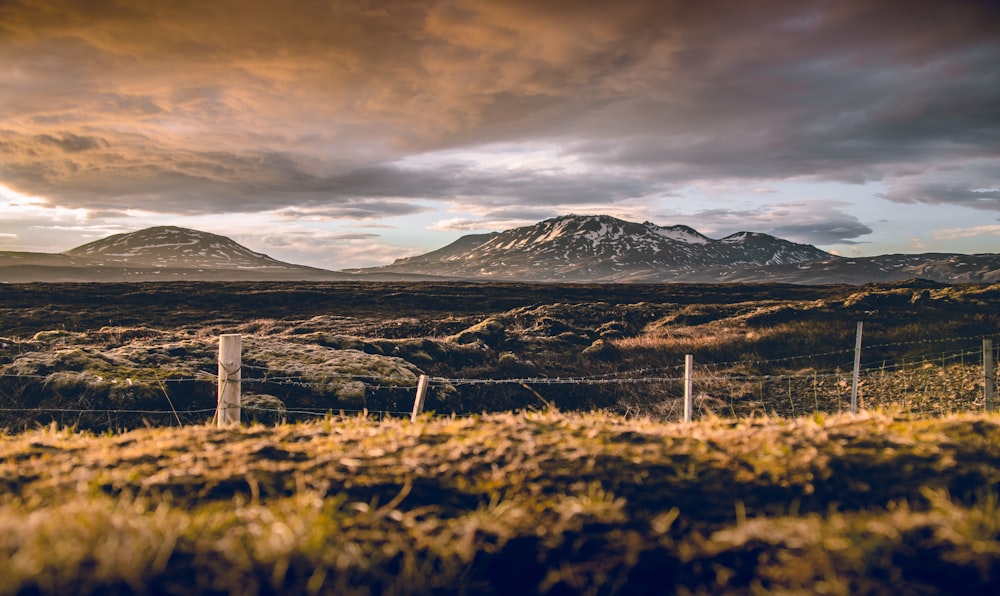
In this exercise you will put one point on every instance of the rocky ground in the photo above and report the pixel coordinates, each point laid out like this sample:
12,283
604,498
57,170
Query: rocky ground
83,354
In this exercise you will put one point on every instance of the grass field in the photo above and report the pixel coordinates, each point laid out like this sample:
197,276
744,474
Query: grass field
785,494
547,502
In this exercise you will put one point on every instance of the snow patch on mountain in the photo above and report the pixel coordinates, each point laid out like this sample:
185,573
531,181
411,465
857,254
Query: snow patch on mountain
601,248
678,233
168,246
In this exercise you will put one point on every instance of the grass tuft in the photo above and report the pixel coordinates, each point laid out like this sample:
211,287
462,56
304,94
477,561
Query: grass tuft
540,502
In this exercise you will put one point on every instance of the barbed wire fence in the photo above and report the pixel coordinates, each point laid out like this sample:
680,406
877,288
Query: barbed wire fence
931,382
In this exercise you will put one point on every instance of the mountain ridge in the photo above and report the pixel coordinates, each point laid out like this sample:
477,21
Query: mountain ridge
599,247
569,248
160,253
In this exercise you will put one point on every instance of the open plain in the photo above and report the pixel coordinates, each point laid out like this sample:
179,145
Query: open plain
70,350
551,459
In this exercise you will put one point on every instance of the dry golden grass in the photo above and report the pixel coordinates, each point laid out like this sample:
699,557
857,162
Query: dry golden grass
532,503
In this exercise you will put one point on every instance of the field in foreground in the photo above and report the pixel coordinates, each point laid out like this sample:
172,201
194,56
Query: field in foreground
529,503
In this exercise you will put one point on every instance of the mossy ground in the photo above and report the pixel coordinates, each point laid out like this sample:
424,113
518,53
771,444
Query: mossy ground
531,503
768,349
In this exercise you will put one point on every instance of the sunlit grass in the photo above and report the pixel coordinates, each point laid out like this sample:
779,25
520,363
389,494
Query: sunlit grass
542,502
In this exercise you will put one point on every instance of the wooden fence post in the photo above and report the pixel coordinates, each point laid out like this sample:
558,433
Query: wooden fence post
857,370
418,401
989,373
688,386
230,361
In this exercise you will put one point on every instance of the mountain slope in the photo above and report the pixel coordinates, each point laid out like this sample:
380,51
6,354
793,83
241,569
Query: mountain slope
940,267
173,247
156,254
602,248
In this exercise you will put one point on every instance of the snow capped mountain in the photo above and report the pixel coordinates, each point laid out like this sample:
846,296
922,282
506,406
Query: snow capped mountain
571,248
602,248
168,246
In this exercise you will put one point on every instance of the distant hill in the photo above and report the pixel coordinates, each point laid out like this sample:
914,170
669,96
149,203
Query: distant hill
173,247
571,248
940,267
153,254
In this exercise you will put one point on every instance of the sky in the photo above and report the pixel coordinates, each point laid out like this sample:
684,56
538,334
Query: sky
349,133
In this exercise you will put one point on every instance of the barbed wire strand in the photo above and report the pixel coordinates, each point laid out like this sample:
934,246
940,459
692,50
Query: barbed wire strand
105,411
619,377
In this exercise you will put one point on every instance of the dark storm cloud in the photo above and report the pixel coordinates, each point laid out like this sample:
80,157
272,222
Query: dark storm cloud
71,143
829,232
819,222
846,118
945,194
255,105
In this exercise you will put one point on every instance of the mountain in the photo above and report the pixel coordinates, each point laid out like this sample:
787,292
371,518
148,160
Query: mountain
939,267
173,247
156,254
605,249
571,248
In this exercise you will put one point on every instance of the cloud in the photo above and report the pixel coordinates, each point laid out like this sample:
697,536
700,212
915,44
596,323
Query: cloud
843,231
323,248
501,215
313,110
29,224
495,224
963,195
458,224
358,210
815,222
955,233
71,143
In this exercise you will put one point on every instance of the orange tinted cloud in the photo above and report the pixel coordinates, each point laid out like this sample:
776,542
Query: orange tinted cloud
253,104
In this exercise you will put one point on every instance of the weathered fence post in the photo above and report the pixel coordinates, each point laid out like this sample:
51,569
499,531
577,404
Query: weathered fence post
989,373
418,401
688,386
230,362
857,370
